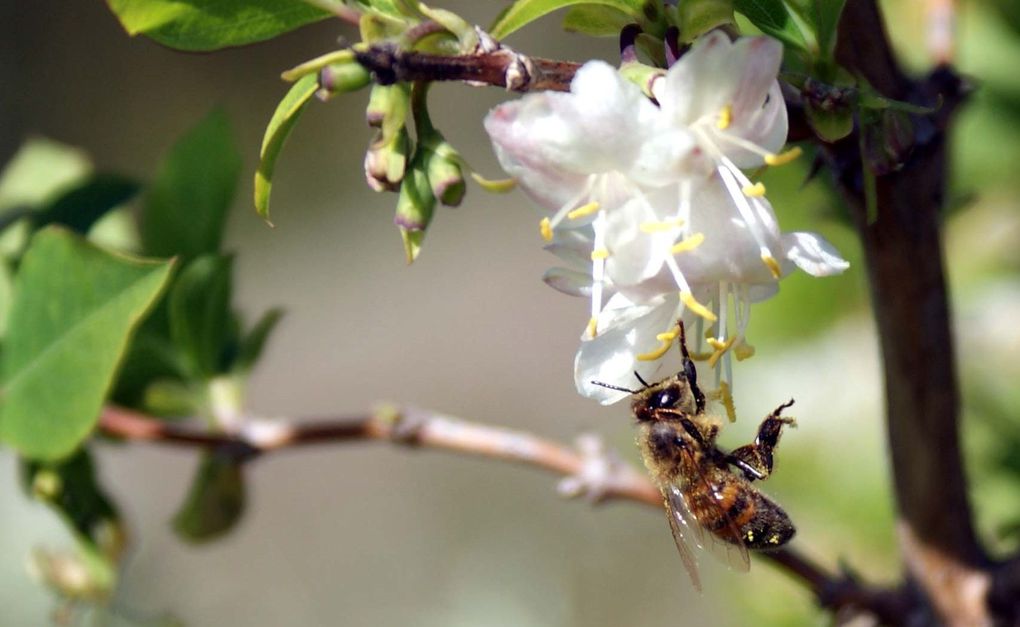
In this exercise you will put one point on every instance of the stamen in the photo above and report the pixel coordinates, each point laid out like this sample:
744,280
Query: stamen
772,264
661,227
598,270
598,254
725,118
720,349
688,243
583,210
593,324
727,401
700,356
755,191
692,303
545,228
785,157
743,351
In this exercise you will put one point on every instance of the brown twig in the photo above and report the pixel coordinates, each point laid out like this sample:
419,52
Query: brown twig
602,476
492,65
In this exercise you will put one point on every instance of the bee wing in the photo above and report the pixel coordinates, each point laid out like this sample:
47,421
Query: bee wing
734,555
683,526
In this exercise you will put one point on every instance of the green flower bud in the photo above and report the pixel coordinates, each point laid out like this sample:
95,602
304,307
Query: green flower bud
387,108
415,206
446,178
385,161
338,78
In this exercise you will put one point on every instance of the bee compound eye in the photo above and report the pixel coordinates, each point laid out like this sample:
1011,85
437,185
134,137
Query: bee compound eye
667,398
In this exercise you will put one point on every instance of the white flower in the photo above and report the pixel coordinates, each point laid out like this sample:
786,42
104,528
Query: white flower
653,203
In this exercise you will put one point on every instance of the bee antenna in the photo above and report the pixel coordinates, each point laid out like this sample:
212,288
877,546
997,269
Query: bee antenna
615,387
641,379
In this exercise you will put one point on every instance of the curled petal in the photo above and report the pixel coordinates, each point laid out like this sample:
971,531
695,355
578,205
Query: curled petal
570,282
813,254
629,329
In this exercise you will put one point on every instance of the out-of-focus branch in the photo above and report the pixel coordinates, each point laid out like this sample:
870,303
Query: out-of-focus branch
588,470
902,246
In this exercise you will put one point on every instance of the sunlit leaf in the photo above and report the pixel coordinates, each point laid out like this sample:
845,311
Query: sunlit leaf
68,327
523,12
596,21
212,24
279,127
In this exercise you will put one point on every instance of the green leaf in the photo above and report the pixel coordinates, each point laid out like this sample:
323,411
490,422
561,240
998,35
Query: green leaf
255,341
827,14
280,126
6,294
39,172
523,12
212,24
68,328
186,205
200,317
70,486
215,501
596,21
773,18
82,206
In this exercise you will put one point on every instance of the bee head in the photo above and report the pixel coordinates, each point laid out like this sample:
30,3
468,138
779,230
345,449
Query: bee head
672,395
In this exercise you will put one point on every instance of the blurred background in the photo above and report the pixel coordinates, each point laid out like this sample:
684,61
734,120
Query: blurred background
370,534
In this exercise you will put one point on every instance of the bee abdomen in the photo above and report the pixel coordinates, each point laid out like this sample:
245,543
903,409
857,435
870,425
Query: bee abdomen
767,527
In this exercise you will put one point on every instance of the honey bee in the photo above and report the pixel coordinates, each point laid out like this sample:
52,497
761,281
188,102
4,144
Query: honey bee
708,493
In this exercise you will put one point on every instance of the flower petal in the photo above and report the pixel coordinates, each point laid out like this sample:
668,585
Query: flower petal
813,254
610,357
570,282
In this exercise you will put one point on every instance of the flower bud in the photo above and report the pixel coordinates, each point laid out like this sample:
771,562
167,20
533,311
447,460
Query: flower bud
415,206
338,78
446,178
387,108
385,162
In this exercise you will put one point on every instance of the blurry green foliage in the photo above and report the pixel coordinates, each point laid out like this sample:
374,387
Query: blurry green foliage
212,24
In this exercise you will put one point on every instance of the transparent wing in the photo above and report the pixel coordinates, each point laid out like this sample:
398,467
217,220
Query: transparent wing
683,526
734,555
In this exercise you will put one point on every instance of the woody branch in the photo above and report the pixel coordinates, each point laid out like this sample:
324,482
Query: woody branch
587,470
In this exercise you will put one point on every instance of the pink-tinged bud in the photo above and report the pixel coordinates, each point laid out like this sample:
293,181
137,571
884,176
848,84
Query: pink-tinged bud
338,78
415,206
385,162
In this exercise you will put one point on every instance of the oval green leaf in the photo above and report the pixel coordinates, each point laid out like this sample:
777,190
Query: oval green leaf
523,12
279,128
212,24
75,308
774,19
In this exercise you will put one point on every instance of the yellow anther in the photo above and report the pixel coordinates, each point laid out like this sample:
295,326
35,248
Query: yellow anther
666,337
754,191
593,324
692,303
545,228
700,356
720,349
583,210
657,353
772,264
785,157
725,118
688,243
743,351
727,401
599,253
661,227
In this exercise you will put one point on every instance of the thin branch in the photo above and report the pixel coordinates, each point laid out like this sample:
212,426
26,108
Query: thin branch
492,65
587,470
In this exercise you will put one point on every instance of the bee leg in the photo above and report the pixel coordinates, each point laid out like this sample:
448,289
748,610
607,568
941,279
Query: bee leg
755,460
